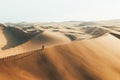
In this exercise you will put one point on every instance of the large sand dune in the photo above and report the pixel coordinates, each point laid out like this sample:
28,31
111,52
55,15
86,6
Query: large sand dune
95,59
14,41
62,59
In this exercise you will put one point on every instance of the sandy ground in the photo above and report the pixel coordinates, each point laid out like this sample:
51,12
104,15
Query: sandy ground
95,58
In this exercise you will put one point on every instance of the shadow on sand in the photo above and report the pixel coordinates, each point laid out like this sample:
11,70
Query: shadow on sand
15,37
116,35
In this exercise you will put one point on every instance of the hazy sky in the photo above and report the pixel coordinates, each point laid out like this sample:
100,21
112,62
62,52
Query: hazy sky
58,10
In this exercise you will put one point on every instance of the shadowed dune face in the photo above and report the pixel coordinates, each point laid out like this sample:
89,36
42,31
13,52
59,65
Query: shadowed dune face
96,59
72,37
95,31
116,35
15,37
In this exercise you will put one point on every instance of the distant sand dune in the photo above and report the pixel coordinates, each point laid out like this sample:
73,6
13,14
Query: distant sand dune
71,37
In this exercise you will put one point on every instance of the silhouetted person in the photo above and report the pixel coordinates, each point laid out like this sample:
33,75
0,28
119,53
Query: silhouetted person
43,47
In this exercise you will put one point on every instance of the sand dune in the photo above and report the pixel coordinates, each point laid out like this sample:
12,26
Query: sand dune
65,57
20,42
95,59
12,37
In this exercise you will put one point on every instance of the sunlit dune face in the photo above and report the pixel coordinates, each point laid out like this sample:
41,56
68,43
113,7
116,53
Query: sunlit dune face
1,26
3,40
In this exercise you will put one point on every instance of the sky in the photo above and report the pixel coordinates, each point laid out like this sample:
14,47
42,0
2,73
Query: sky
58,10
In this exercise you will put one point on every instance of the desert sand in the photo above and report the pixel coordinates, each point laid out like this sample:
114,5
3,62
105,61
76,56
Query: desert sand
70,53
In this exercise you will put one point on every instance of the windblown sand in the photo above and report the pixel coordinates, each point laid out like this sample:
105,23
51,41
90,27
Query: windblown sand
96,58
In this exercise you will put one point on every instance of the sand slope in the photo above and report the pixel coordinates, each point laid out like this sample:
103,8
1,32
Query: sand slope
27,42
95,59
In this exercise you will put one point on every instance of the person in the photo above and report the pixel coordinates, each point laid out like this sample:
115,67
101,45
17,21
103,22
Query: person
43,47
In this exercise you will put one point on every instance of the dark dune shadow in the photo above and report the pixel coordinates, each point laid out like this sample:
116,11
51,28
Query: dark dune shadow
48,68
116,35
71,37
15,37
39,64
